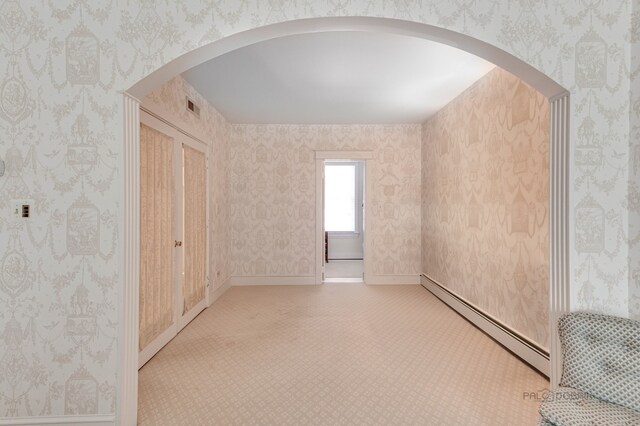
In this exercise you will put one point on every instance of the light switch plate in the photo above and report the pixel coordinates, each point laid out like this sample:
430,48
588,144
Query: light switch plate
17,208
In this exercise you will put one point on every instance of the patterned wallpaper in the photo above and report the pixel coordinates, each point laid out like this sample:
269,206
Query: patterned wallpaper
634,167
273,191
63,66
485,201
168,101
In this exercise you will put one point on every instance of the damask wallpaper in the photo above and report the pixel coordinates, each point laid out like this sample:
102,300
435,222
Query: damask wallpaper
485,201
273,190
168,101
63,67
634,167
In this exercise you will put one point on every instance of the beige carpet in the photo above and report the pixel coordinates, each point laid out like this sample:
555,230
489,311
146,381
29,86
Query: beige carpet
334,355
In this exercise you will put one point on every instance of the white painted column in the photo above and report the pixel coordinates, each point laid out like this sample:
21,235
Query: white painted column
559,274
128,371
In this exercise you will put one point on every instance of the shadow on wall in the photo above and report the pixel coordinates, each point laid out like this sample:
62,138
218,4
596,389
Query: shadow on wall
485,189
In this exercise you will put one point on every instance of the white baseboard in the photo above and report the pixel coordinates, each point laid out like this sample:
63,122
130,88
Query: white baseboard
311,280
265,280
216,293
524,348
98,420
392,279
345,256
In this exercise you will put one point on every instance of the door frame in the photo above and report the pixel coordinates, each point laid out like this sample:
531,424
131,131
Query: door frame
366,157
180,138
201,146
170,332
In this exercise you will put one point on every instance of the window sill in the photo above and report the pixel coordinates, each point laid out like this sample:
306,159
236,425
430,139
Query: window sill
344,234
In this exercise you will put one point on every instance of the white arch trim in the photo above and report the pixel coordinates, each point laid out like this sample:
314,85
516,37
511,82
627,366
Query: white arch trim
559,171
504,60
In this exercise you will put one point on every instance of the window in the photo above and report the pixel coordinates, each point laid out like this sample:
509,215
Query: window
340,206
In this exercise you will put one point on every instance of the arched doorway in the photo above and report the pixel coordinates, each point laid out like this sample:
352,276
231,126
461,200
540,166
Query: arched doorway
559,163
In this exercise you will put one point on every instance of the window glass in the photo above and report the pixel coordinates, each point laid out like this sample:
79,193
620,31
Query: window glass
340,197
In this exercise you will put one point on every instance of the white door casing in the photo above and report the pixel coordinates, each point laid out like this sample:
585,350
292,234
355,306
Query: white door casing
180,317
321,156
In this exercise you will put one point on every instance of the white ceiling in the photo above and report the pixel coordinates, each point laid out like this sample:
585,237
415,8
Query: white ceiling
335,78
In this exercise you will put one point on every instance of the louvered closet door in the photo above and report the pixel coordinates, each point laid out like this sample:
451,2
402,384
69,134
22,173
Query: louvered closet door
194,232
157,215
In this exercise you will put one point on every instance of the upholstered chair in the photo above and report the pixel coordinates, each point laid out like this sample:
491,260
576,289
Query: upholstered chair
601,372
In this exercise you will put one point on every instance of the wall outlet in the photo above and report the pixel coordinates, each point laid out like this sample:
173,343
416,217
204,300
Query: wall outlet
22,209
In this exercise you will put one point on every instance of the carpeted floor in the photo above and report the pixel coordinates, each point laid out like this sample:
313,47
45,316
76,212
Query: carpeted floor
334,355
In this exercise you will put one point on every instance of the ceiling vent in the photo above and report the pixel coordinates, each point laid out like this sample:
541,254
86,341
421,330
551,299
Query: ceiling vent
193,108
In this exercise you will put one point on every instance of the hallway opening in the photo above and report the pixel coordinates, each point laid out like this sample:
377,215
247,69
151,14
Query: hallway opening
344,216
261,211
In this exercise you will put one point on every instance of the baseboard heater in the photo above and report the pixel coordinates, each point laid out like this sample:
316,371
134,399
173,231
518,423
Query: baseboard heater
525,349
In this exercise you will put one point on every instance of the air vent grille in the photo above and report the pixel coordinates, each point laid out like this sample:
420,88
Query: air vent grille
193,108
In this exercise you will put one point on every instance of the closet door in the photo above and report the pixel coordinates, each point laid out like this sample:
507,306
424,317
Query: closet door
173,232
157,215
194,232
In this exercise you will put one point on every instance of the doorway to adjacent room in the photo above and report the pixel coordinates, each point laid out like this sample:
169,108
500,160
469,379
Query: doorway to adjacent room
343,211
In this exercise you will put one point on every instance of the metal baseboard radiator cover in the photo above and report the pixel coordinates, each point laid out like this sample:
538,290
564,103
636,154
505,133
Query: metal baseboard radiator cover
524,348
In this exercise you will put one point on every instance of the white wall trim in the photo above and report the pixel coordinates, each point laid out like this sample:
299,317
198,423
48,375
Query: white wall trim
509,338
238,281
346,256
96,420
216,293
321,156
559,208
272,280
319,264
150,109
501,58
160,112
129,305
393,279
345,155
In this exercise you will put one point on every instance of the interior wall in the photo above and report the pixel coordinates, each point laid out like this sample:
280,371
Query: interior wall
485,201
634,169
62,96
273,196
168,101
